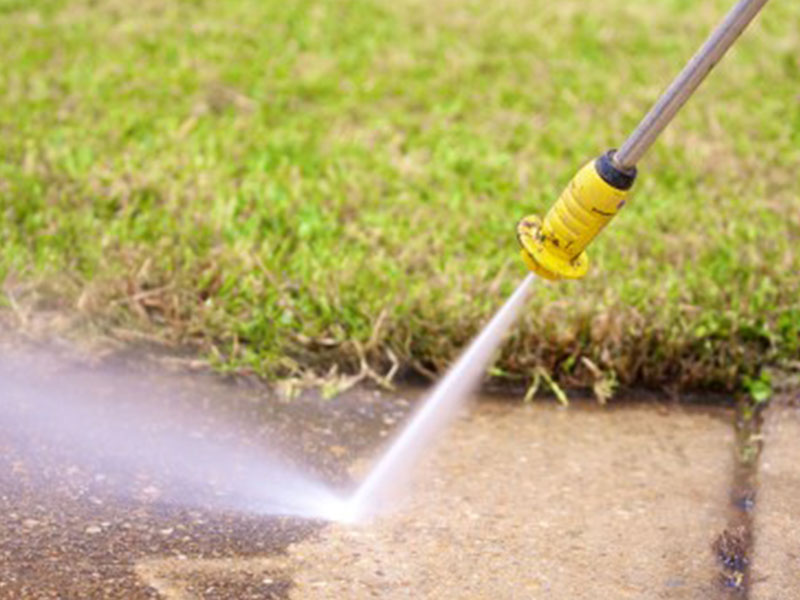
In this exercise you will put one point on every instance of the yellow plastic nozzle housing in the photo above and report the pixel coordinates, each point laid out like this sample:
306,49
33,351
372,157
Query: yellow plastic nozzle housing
554,248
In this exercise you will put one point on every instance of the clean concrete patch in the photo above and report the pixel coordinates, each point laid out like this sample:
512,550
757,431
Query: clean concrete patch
541,502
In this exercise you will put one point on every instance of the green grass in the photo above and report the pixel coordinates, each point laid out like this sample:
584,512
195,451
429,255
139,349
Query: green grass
297,186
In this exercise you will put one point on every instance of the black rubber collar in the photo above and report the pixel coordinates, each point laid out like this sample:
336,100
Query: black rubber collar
621,179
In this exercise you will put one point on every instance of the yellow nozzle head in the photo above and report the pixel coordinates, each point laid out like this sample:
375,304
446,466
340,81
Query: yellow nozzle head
554,248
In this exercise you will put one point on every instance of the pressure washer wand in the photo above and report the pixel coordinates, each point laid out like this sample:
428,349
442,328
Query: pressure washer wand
554,248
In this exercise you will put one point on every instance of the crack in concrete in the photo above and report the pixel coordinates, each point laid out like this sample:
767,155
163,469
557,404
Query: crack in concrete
734,546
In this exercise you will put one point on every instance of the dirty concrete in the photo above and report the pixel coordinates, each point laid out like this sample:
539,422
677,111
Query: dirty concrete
776,553
67,532
515,502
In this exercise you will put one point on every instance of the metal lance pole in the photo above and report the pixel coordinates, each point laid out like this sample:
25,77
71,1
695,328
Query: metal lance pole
686,83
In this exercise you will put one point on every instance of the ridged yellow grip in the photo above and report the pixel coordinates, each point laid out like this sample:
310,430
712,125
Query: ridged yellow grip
554,248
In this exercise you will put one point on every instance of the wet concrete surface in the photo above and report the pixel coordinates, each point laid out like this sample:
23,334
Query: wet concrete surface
73,525
515,502
776,552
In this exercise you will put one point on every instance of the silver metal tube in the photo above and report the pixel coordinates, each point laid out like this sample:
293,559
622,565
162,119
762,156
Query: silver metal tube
686,82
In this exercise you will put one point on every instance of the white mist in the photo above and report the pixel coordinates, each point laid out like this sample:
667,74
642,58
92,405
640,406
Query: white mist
125,430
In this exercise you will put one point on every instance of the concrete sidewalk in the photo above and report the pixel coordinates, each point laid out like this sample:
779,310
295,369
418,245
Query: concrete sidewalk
516,501
776,555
